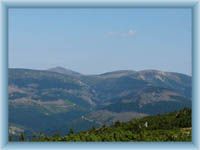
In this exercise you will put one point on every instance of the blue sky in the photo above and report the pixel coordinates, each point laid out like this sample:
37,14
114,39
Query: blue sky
93,41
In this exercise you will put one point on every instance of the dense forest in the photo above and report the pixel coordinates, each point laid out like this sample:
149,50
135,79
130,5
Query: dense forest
175,126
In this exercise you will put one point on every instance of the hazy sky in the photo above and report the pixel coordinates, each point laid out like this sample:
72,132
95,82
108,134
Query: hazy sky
99,40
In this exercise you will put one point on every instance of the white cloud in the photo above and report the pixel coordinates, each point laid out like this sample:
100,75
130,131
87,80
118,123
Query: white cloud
129,33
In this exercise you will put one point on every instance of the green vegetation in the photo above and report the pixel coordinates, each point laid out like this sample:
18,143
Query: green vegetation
51,101
174,126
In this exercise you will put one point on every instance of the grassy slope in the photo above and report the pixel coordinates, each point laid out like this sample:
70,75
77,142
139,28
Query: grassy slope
174,126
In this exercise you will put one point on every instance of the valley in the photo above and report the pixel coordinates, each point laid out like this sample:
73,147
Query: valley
56,100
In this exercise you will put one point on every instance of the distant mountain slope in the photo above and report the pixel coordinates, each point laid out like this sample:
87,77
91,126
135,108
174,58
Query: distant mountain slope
63,70
56,99
174,126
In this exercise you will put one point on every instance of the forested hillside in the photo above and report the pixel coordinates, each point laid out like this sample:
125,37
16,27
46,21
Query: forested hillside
174,126
55,100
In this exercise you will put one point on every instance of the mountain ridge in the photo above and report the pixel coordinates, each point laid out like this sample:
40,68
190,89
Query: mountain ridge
50,97
54,69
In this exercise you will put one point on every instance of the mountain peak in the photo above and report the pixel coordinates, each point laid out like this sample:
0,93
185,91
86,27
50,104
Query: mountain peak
117,74
63,70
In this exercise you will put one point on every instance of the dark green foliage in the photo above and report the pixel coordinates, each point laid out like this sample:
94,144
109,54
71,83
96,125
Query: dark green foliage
10,138
71,131
22,137
117,123
93,128
160,107
169,127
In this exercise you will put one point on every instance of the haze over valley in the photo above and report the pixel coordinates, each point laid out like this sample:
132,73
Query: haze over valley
57,99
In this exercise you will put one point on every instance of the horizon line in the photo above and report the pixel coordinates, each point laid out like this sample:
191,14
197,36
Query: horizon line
48,69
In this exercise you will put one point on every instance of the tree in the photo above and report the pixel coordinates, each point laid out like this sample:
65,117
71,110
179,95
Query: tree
22,137
104,126
10,137
93,128
71,131
117,123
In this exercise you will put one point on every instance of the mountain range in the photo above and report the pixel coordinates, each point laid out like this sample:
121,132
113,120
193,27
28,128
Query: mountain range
57,99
